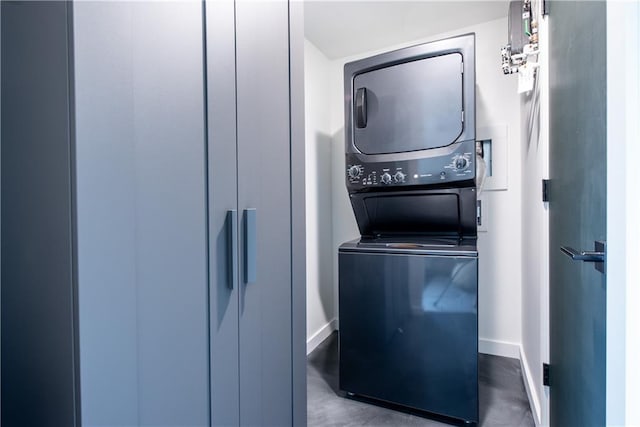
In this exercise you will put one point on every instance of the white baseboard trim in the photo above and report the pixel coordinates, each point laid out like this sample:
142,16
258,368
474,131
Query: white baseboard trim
499,348
529,385
321,335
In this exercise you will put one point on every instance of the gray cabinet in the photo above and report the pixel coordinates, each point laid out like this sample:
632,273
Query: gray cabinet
149,214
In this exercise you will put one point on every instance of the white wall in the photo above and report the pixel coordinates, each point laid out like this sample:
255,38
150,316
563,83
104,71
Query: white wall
321,312
500,260
623,211
535,232
499,247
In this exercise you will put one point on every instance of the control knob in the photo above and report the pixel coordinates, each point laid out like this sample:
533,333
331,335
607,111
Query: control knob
399,177
461,163
385,178
354,172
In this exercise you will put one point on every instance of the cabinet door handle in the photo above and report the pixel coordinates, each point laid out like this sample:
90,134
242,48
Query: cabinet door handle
361,108
250,245
232,247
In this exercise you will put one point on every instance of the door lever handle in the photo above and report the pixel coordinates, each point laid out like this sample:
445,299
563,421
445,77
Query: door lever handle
596,256
586,256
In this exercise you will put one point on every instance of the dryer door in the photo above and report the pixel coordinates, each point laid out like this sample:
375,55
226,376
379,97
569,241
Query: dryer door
410,106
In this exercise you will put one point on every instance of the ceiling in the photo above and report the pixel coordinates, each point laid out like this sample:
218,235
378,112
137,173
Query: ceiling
344,28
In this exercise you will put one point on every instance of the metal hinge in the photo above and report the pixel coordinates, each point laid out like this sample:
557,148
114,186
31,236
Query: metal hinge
463,116
462,68
479,212
545,374
545,190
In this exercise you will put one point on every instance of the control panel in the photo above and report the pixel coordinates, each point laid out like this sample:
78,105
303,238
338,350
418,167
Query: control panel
458,166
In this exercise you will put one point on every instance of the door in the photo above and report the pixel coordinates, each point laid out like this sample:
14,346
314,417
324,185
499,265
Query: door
223,211
264,202
411,106
141,213
577,211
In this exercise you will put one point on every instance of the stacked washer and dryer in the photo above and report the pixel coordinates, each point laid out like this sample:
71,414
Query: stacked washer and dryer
408,287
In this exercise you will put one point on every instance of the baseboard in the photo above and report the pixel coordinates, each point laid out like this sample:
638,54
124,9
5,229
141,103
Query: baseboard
529,385
321,335
499,348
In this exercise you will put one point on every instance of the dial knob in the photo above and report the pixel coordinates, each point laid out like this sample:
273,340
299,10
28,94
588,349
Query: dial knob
399,176
385,178
354,172
461,163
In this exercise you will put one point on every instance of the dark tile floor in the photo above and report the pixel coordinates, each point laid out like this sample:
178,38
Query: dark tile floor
503,399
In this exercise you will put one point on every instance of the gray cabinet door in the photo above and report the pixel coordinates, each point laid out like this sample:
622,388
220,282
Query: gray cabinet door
141,213
264,184
223,215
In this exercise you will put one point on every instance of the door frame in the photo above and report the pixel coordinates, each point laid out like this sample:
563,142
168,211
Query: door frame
623,210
